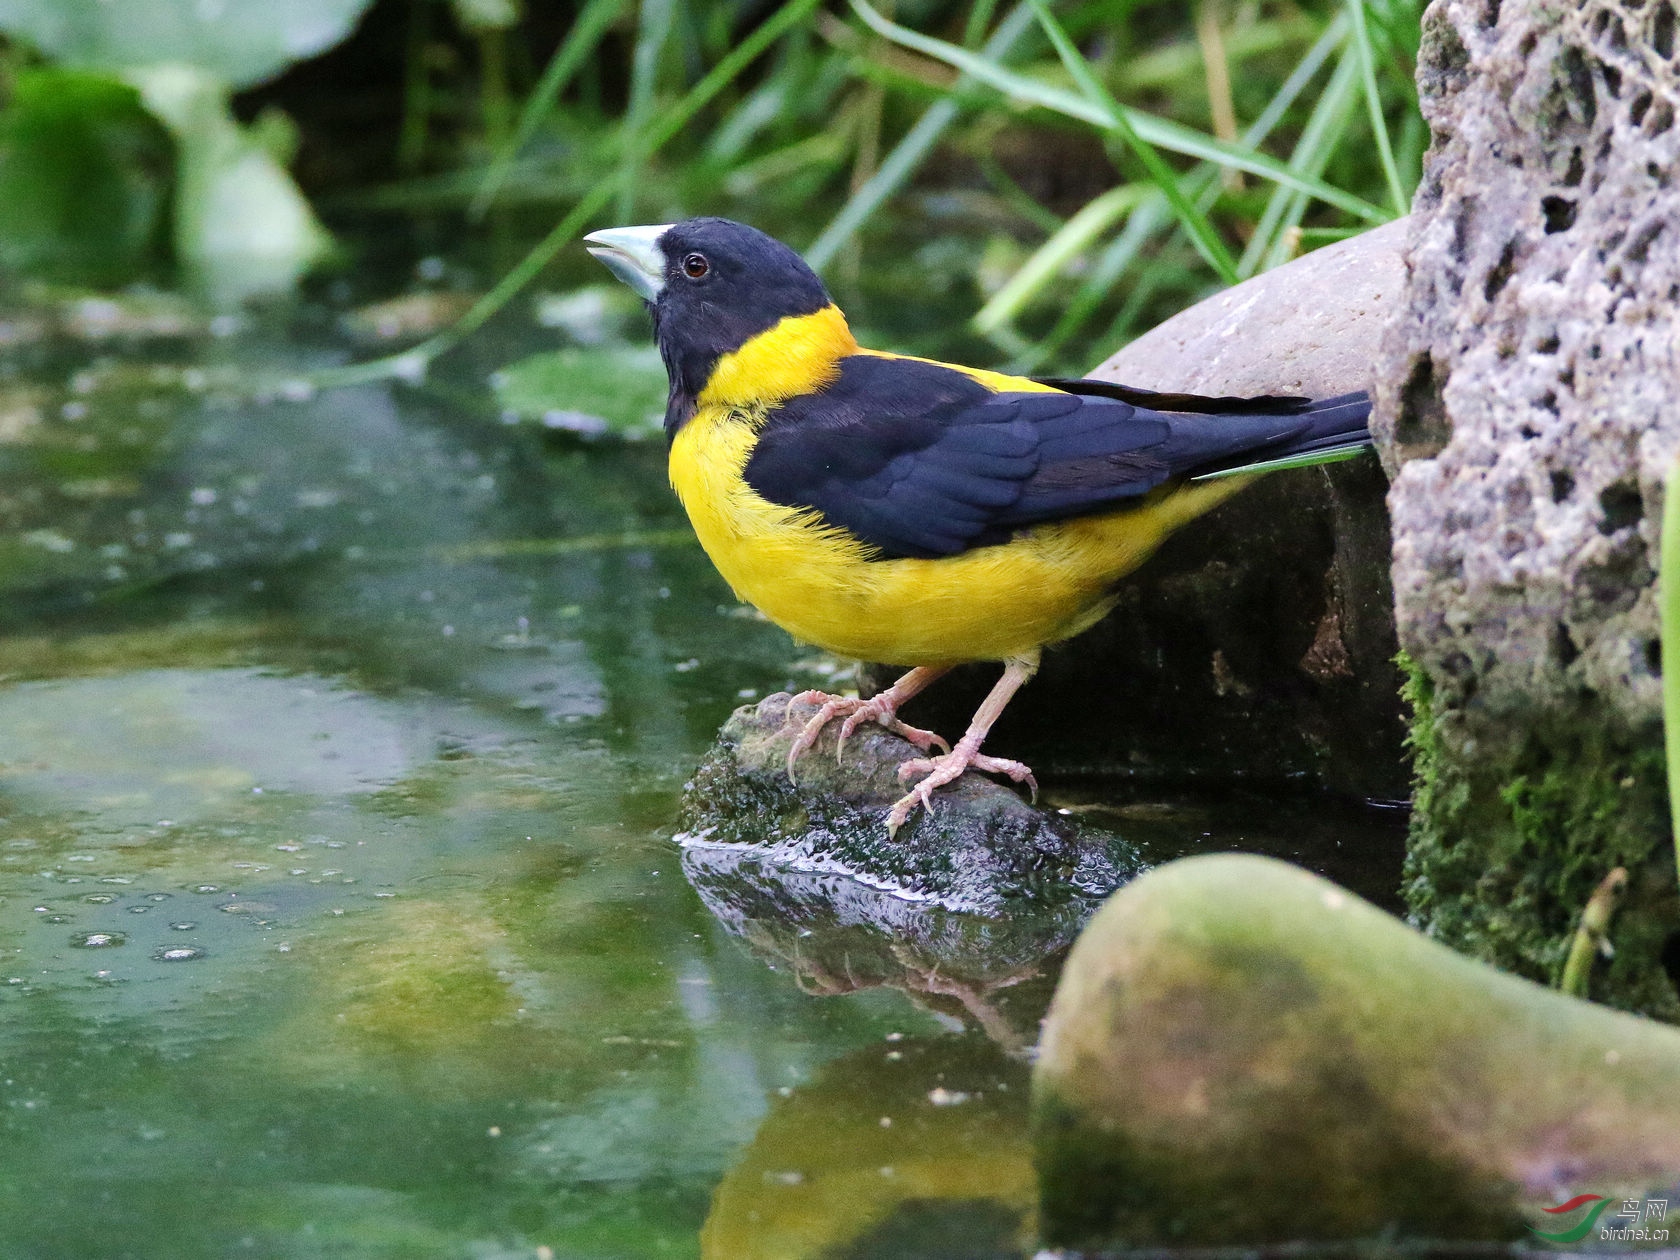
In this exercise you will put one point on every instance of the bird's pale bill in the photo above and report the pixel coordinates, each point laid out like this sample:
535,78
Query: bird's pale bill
633,255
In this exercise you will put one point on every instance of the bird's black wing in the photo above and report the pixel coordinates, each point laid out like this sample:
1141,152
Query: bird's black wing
1197,404
920,460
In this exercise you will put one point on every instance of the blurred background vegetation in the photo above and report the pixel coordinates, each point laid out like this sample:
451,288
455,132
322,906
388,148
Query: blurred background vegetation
1026,183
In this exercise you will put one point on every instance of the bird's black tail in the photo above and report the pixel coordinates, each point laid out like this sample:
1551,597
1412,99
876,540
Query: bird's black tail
1335,430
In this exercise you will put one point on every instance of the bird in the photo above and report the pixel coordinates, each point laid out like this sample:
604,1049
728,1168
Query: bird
917,513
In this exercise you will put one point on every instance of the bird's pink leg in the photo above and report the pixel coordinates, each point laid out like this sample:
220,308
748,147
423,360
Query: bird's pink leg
882,709
943,769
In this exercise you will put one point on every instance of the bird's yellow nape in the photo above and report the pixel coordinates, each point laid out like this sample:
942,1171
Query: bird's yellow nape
799,354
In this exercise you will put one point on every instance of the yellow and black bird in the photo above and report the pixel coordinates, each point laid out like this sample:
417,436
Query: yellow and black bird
896,509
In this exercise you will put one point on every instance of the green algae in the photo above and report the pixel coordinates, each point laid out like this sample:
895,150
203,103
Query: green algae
1508,843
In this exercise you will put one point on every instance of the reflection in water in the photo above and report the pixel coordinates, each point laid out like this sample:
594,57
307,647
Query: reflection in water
838,936
912,1147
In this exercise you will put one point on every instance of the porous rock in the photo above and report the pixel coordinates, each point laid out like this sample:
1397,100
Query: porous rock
1526,405
1258,643
981,850
1239,1052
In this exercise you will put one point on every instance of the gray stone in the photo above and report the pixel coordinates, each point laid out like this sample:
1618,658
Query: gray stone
1258,643
1310,327
1526,403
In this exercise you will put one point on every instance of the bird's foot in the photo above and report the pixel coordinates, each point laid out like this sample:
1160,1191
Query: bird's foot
947,769
881,709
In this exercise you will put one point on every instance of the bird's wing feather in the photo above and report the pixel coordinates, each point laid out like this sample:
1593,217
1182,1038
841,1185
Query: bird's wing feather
916,459
1202,404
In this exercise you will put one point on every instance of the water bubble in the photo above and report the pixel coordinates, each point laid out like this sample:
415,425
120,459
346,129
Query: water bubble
100,899
178,953
158,896
98,940
138,909
183,926
208,888
116,879
55,918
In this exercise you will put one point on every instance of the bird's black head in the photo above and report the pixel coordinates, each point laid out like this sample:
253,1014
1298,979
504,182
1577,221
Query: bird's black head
712,285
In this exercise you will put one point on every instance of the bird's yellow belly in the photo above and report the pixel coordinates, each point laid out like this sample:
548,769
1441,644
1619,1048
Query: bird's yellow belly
990,603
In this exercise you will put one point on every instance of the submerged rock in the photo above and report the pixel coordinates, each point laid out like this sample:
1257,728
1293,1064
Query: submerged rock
1258,643
982,850
1241,1052
1526,404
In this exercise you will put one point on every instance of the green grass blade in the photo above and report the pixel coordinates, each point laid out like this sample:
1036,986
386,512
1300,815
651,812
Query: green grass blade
1373,104
568,59
979,18
1151,216
1190,217
1196,144
896,169
1157,131
1147,219
1668,591
1074,238
1325,126
652,30
414,361
1305,71
1313,460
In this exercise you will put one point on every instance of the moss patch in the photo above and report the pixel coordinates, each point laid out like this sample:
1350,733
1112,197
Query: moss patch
1510,836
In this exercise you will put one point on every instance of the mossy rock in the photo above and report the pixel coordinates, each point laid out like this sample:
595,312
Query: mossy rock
1241,1052
1508,842
982,849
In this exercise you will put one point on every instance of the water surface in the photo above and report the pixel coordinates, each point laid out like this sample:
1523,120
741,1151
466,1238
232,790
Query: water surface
341,739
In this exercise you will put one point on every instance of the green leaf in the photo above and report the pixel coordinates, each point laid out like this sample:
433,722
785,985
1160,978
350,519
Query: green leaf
242,228
84,180
587,390
240,41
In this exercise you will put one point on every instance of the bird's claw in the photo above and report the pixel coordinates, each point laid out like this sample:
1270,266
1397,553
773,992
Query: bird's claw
856,712
883,715
900,813
947,769
812,729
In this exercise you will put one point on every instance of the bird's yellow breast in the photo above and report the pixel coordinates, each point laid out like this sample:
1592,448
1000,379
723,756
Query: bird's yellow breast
818,583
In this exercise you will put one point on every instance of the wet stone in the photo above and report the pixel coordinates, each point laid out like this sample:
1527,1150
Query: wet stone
983,849
98,940
178,953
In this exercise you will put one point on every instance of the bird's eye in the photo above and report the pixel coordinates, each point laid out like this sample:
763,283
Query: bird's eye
695,266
